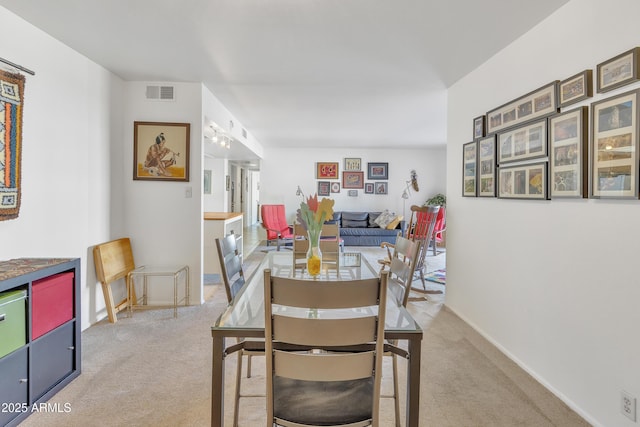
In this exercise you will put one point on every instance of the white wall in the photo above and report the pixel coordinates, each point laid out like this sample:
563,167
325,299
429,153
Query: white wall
283,169
67,136
553,283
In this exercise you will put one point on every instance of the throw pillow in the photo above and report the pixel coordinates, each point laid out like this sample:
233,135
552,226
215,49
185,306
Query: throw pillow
393,224
385,218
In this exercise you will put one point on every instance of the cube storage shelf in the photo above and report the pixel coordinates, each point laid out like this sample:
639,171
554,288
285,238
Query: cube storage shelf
40,318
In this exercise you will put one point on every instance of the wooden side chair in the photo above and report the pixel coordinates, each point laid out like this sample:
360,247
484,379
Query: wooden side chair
324,370
439,229
233,279
114,261
330,244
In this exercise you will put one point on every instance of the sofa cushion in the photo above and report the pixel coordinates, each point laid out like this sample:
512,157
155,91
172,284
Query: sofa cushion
372,219
354,219
385,218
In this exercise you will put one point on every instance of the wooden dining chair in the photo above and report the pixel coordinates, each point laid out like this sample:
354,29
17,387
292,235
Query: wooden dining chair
401,273
233,279
324,342
329,245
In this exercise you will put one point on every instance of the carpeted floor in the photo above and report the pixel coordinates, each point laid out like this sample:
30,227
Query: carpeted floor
154,370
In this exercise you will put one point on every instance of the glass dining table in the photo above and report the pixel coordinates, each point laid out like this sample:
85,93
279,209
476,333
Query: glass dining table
244,318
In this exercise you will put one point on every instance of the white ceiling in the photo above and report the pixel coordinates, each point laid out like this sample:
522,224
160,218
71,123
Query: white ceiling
332,73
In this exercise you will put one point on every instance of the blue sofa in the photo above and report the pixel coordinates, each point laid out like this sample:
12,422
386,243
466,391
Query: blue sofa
360,229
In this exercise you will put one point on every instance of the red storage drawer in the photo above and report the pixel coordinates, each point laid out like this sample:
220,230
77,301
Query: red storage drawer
51,303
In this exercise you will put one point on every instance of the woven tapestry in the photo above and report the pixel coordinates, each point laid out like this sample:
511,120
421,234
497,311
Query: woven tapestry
11,96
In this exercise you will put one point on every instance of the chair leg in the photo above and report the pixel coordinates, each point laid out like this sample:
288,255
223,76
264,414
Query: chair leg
396,396
248,366
236,404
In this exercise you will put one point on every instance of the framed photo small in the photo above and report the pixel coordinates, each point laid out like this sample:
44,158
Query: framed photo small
478,127
618,71
575,88
469,163
378,171
527,181
568,154
487,166
381,188
324,188
614,147
368,188
523,143
161,151
327,170
352,180
352,164
353,193
335,187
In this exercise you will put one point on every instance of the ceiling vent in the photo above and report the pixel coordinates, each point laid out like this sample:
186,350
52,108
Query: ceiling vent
161,93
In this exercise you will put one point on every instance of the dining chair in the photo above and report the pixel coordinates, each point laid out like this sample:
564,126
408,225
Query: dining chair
233,279
439,229
401,273
329,245
324,345
274,222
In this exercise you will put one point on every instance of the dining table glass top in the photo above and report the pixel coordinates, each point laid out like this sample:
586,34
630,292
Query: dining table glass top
246,312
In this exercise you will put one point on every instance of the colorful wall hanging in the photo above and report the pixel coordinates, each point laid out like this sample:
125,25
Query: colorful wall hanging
11,98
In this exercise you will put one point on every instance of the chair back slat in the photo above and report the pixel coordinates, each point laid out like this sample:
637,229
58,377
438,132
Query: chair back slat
230,265
333,367
319,293
327,333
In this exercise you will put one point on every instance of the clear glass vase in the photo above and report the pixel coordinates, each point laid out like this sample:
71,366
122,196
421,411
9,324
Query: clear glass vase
314,254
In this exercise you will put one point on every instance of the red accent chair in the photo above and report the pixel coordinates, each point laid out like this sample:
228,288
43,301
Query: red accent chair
438,229
274,221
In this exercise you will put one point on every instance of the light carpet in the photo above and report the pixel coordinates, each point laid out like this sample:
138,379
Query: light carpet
154,370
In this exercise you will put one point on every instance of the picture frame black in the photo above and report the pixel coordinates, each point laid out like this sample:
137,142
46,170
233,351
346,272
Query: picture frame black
479,127
469,169
568,154
614,145
539,103
575,88
525,142
368,188
324,188
487,166
618,71
377,171
381,187
523,181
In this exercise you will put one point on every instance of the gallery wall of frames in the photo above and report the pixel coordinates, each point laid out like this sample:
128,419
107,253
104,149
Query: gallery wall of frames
352,177
534,147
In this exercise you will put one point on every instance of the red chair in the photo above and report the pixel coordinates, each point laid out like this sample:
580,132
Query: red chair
274,221
438,229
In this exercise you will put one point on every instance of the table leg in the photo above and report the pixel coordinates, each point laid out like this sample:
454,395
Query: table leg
413,383
217,383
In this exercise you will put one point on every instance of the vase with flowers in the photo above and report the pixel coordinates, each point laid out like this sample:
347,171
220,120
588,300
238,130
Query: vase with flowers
312,215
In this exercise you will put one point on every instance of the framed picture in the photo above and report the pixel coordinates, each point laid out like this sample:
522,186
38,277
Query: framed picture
478,127
381,187
352,180
487,166
618,71
206,186
575,88
228,182
469,162
335,187
161,151
541,102
568,154
353,193
527,181
377,170
324,188
368,188
523,143
352,164
327,170
614,147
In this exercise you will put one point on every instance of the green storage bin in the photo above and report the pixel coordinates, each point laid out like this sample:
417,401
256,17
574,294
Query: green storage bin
13,326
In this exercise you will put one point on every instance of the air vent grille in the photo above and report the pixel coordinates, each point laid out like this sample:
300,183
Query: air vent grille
160,93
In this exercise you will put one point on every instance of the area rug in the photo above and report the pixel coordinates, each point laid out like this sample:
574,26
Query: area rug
438,276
